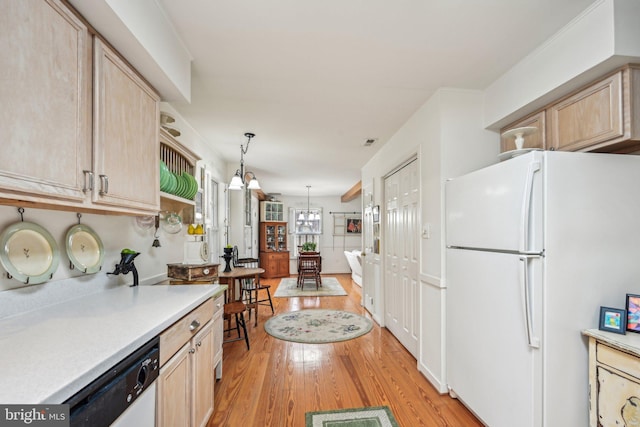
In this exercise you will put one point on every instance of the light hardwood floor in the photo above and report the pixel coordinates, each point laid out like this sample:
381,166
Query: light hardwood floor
276,382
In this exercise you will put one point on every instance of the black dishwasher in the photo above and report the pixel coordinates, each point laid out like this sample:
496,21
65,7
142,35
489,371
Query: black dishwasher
101,402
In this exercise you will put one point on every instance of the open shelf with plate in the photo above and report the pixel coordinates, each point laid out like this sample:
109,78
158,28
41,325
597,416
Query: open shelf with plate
179,160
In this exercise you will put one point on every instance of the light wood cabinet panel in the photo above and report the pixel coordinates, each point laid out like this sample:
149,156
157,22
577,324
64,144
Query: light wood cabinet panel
275,264
126,141
202,375
45,78
535,140
174,390
589,117
187,378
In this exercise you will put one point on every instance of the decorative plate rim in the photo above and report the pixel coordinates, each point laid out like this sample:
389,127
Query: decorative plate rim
87,269
9,232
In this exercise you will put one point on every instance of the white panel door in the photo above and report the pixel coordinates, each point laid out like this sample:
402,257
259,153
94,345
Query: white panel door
401,255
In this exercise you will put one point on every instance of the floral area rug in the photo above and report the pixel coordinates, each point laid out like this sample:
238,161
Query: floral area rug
289,288
377,416
318,326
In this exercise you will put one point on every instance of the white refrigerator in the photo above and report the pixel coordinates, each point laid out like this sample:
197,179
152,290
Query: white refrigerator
535,245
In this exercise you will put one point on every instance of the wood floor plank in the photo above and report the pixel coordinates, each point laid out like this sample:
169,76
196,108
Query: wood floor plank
276,382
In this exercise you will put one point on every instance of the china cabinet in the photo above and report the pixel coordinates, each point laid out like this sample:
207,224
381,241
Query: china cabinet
274,256
273,236
271,211
614,378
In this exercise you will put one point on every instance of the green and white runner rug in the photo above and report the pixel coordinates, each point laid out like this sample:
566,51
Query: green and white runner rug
289,288
379,416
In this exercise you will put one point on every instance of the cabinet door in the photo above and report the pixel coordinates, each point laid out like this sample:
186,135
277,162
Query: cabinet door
126,144
174,390
283,264
618,399
589,117
203,375
218,331
45,83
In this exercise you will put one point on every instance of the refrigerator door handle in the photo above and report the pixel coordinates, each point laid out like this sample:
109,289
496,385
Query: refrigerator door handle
525,215
534,342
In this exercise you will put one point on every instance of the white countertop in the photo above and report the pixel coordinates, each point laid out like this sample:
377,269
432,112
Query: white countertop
47,355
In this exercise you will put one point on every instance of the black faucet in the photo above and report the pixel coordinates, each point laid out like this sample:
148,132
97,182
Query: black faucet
126,265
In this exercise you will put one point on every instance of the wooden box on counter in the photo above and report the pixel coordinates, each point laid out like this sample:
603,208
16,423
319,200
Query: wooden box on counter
183,273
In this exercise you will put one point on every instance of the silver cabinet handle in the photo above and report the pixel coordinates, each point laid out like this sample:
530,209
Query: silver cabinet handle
104,181
199,344
192,350
194,325
90,186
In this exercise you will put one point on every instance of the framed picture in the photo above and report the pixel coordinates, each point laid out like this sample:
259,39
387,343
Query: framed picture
376,213
612,320
354,225
633,313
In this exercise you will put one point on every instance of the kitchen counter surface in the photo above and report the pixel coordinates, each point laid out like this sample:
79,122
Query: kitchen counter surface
49,354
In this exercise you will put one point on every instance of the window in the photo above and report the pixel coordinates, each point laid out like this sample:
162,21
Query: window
306,224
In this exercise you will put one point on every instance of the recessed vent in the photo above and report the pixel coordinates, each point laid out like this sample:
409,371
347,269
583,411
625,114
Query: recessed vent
370,142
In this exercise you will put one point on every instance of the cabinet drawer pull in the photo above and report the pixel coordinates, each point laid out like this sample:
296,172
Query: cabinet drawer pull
104,184
194,325
192,350
90,186
199,344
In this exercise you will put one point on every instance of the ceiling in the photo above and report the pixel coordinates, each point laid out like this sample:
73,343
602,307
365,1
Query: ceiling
315,79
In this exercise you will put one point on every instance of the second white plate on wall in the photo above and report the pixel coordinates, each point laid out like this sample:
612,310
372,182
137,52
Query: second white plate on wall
85,249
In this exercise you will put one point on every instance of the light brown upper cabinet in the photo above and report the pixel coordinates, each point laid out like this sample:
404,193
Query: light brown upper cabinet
603,117
126,143
590,117
45,87
535,140
59,151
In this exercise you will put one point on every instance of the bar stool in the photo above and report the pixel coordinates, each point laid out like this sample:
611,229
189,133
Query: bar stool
237,309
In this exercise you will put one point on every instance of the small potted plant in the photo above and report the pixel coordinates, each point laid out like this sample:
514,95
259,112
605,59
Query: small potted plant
309,247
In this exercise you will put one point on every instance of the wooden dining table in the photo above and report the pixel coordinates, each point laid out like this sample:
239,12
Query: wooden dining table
232,280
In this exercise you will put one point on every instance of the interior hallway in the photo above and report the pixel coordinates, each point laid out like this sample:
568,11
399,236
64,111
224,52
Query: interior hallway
276,382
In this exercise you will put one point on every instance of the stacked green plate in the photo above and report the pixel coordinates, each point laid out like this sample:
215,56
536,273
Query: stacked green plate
183,185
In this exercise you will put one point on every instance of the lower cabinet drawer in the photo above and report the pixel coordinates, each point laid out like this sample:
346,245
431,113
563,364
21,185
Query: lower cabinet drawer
619,360
184,329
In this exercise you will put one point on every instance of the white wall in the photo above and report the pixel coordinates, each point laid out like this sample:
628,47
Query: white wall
331,247
448,136
602,38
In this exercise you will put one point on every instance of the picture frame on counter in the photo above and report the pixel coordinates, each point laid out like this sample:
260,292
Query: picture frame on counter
632,307
613,320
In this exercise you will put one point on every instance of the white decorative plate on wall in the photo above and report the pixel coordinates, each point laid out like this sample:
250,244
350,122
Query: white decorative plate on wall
85,249
28,253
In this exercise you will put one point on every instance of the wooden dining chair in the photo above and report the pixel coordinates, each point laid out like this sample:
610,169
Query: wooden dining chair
309,269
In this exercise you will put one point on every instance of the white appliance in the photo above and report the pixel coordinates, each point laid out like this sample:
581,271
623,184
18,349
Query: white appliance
535,245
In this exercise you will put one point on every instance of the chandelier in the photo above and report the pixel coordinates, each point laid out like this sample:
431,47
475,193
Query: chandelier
307,216
237,182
